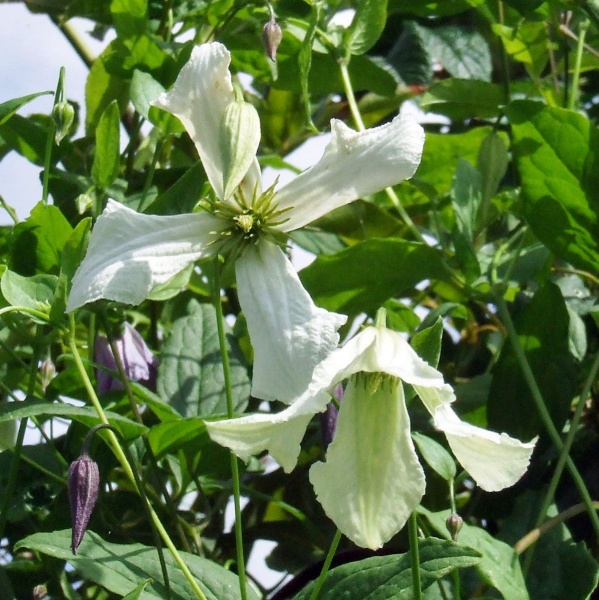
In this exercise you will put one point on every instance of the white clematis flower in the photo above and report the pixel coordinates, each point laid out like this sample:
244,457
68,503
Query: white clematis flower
130,254
372,480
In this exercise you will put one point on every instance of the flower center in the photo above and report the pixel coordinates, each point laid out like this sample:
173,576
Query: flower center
373,382
249,221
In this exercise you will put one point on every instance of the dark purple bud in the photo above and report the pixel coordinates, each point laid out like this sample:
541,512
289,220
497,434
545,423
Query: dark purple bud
454,523
272,36
328,419
138,360
83,484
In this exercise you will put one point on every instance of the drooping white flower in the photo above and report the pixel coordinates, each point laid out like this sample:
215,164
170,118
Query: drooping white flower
130,254
372,480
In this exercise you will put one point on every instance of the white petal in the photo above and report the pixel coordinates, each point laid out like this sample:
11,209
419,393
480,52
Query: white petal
131,253
199,98
495,461
376,350
279,433
289,334
354,165
371,480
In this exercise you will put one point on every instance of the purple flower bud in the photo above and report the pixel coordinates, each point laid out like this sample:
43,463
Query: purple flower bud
83,484
454,523
328,419
138,360
272,36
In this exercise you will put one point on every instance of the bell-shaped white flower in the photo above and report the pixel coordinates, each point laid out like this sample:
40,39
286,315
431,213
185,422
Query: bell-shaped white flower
372,480
130,254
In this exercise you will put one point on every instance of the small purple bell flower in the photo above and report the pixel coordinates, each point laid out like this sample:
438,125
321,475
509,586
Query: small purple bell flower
138,360
83,484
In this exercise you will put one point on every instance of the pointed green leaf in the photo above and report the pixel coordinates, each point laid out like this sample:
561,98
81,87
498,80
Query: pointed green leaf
391,576
435,455
34,292
366,27
557,156
120,568
10,107
107,157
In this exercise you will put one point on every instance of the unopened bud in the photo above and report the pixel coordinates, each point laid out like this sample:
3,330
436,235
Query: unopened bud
83,202
272,36
328,419
47,371
64,115
83,484
454,523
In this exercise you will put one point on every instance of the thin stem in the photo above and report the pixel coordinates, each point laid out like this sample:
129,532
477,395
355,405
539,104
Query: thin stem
12,213
120,455
142,492
565,452
230,413
544,413
146,441
326,566
584,26
50,139
415,556
76,41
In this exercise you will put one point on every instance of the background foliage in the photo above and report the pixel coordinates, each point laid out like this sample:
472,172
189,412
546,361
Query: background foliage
497,233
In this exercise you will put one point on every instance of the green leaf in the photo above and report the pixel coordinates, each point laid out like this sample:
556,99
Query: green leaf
182,196
34,292
101,88
360,278
391,576
463,52
432,8
557,156
10,107
435,456
542,328
75,248
461,99
466,196
120,568
499,566
38,241
190,376
137,592
25,136
427,342
130,17
410,56
447,150
83,414
527,43
144,89
366,27
107,161
492,163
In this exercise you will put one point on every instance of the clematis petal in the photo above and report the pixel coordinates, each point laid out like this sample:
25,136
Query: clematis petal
131,253
354,164
290,335
494,460
371,480
279,433
199,98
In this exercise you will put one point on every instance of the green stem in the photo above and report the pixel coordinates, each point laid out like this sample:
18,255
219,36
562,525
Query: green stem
142,492
564,454
230,413
544,413
12,213
583,28
50,139
76,41
415,556
120,455
326,566
145,439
